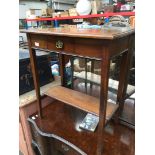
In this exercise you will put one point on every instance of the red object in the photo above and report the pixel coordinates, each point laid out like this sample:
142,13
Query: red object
118,6
85,16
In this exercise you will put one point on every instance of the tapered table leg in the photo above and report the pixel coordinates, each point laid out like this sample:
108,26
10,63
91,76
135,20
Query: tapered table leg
35,76
105,66
124,74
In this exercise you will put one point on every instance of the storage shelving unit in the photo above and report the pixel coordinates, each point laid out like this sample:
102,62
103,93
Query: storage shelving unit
78,17
84,16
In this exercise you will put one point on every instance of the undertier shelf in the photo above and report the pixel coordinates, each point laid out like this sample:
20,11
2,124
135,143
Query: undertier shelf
81,101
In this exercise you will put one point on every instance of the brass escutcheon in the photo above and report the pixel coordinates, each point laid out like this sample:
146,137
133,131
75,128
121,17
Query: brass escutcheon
59,44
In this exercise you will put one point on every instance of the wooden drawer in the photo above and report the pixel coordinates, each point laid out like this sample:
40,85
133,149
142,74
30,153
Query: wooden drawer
39,41
76,46
57,43
89,47
64,148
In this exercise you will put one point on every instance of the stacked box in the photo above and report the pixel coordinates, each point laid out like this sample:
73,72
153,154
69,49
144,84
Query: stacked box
96,6
30,13
64,14
73,12
55,14
47,12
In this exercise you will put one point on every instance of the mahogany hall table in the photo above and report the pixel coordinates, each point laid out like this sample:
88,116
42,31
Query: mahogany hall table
101,44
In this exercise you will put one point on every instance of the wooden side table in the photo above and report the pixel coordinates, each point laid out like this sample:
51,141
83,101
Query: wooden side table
103,45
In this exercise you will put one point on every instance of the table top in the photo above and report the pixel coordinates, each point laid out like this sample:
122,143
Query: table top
103,33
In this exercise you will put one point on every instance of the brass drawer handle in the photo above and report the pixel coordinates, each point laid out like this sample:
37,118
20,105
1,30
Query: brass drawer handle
65,148
59,44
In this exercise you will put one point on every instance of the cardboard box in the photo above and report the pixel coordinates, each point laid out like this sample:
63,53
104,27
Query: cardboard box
30,13
72,26
96,6
55,14
46,12
64,25
132,21
68,26
64,14
73,12
50,11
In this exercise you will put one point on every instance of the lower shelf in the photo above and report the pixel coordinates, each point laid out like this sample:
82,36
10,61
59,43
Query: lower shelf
81,101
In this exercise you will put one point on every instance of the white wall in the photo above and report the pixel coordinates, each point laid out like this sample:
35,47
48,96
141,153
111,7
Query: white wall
25,5
60,6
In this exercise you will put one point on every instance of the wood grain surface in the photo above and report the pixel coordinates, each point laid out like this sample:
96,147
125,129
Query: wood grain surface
104,44
63,121
80,100
105,33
